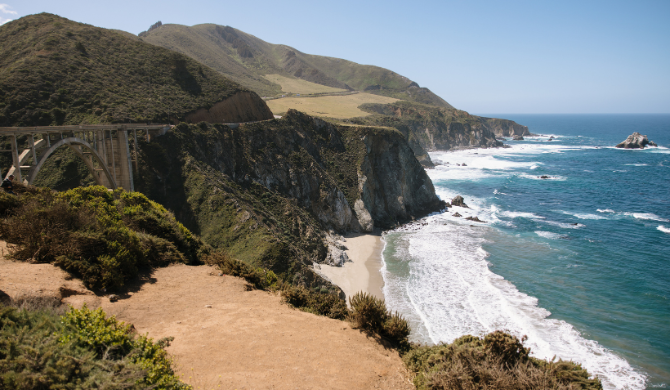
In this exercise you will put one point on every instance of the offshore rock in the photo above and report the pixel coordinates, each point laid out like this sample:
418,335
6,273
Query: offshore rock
474,219
459,201
518,138
636,141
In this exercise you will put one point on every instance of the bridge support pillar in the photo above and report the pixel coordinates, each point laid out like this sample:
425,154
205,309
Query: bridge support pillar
15,160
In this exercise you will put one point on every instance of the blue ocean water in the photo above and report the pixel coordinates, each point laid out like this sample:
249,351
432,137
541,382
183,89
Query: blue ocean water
579,262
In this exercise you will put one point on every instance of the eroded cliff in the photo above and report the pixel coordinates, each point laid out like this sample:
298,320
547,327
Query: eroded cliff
429,128
269,192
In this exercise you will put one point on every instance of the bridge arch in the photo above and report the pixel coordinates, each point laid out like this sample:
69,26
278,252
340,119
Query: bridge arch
104,148
76,144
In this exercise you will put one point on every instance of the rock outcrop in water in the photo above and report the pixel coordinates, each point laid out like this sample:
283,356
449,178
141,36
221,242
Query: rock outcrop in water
458,201
636,141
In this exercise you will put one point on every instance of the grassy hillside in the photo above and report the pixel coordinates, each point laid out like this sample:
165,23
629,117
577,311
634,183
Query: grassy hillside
54,71
340,106
246,59
292,85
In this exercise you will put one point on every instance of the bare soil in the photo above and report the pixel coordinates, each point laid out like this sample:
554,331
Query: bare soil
227,337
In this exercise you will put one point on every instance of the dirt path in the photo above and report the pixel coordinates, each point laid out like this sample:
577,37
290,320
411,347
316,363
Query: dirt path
245,340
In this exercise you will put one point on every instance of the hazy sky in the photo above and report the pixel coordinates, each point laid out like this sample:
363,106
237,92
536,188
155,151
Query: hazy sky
481,56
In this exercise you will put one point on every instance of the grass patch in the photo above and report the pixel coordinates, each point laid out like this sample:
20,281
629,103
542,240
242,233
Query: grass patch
341,107
292,85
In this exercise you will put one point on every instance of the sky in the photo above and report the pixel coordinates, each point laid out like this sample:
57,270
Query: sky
481,56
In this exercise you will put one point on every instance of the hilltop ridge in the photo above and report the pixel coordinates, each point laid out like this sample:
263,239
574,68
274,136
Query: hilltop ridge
54,71
246,59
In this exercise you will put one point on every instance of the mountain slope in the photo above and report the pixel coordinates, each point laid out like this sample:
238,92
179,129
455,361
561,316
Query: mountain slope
245,59
54,71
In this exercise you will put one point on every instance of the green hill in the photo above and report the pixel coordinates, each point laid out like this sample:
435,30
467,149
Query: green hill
54,71
246,59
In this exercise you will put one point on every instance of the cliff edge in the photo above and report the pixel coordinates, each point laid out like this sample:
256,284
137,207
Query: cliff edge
271,192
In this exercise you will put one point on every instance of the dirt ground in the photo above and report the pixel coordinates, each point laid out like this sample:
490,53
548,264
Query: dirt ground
225,336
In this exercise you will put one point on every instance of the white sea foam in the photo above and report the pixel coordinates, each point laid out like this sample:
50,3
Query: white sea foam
647,216
443,285
638,165
663,229
550,235
520,214
584,215
642,216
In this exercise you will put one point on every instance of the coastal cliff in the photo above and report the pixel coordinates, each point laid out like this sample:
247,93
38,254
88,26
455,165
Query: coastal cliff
271,192
505,127
429,128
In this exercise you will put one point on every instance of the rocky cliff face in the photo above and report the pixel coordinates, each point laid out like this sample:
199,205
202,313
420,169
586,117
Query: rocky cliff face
505,127
429,128
269,192
243,106
393,185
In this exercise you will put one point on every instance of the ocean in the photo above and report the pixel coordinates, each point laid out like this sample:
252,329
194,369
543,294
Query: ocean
579,262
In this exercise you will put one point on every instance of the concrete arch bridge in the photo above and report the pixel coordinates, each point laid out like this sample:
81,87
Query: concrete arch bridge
109,151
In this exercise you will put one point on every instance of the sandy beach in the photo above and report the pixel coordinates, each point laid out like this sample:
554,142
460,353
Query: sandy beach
363,272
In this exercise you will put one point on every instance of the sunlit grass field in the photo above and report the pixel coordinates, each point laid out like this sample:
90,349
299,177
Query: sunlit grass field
290,85
341,107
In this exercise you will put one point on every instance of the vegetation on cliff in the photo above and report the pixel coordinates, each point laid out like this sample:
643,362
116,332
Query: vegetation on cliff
496,361
41,347
268,192
105,238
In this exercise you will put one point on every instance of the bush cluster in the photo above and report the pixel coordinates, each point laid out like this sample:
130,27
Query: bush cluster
258,277
40,349
369,313
102,237
315,302
496,361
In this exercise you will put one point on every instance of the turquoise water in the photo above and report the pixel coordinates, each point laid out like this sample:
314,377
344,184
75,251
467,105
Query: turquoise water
578,262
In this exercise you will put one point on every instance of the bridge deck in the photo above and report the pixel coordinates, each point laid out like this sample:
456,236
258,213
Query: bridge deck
60,129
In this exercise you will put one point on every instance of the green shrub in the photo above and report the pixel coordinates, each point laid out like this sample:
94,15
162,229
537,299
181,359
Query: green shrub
34,356
103,237
111,339
498,361
259,278
7,202
369,313
320,303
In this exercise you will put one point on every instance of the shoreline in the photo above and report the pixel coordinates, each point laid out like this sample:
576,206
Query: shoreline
363,272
